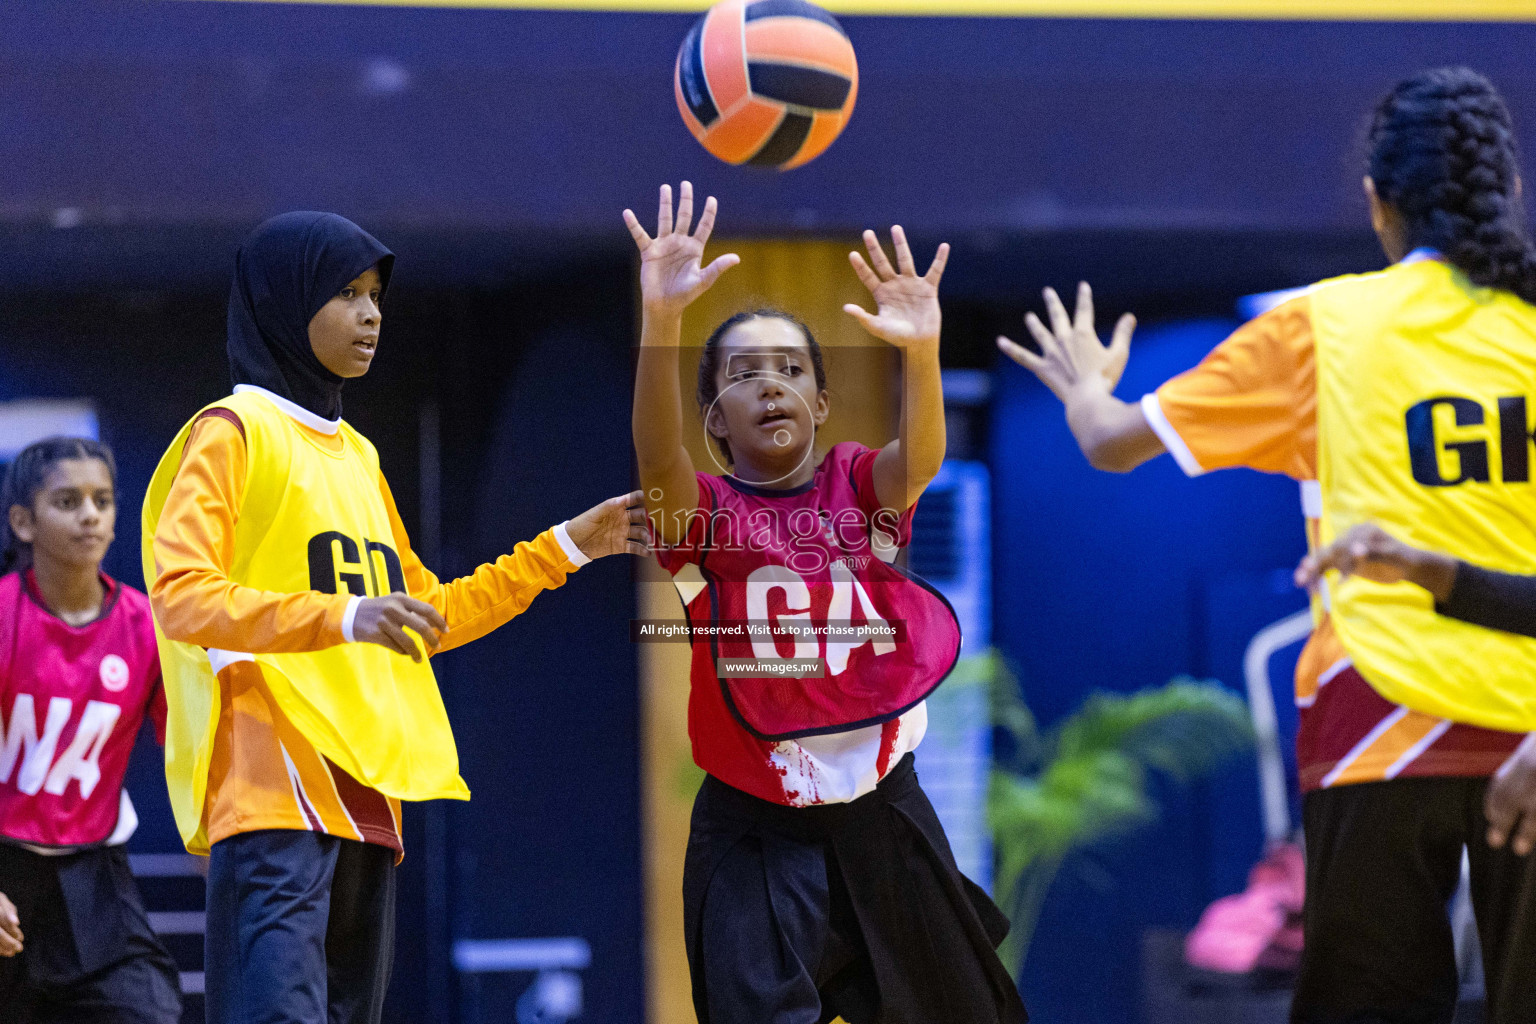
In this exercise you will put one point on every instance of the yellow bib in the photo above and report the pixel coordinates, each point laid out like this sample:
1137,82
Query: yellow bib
311,519
1425,384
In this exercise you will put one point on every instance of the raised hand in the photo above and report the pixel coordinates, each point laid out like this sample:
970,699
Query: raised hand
613,527
1071,355
671,275
907,306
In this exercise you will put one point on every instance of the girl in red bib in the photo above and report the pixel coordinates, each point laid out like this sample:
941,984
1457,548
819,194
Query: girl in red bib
78,673
818,881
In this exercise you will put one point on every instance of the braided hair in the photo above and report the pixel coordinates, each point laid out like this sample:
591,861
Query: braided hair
709,362
27,474
1442,154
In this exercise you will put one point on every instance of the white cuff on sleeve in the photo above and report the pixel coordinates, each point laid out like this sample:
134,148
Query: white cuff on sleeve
1170,437
347,618
572,552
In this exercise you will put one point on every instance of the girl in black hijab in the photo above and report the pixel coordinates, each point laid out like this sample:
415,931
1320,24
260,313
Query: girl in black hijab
286,271
299,718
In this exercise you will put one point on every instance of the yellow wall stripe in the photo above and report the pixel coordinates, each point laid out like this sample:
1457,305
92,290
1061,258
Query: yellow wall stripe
1296,10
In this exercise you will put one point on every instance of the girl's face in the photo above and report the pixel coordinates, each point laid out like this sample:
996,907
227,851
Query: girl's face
769,406
345,333
73,516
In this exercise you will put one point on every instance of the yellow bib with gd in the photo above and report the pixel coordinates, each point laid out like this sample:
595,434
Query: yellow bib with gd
1425,387
311,519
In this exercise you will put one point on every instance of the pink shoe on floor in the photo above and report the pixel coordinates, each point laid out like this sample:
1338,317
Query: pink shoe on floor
1259,928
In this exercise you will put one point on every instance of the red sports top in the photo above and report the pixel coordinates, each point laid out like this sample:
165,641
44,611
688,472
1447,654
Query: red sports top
72,699
807,563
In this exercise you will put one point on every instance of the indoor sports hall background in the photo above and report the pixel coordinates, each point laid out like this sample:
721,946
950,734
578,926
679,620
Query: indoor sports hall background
1179,154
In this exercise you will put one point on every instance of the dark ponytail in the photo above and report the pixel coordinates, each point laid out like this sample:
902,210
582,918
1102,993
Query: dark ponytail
27,474
709,362
1442,154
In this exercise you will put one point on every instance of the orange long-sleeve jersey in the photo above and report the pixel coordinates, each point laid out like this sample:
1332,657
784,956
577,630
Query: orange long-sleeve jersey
263,773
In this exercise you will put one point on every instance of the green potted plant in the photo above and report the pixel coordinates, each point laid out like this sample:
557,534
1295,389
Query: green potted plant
1086,779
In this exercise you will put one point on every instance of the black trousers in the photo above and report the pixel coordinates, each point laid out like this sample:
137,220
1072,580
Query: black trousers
301,929
799,915
1383,861
89,956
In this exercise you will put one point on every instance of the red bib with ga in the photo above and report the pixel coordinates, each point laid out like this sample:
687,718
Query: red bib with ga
809,628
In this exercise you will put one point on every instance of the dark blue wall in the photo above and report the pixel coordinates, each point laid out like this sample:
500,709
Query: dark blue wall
1117,583
533,387
510,136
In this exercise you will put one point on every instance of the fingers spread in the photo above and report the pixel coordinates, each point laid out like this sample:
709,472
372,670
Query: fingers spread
903,251
718,266
635,230
706,221
1018,353
684,208
1044,338
1060,322
1083,320
936,268
859,313
877,256
664,213
868,278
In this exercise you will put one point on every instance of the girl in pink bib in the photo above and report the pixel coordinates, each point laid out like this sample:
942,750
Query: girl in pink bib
818,881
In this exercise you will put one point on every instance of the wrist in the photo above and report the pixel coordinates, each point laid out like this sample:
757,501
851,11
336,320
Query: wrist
1434,572
660,315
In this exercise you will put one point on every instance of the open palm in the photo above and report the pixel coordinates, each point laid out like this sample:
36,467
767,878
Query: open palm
671,270
907,305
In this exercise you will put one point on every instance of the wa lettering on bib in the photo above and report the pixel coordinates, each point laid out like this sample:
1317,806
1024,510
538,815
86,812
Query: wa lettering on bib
1425,387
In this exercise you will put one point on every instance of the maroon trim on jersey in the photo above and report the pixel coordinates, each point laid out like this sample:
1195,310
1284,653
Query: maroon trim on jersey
228,415
368,808
108,602
1347,709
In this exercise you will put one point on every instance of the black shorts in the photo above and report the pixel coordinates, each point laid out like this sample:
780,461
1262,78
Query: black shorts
799,915
1383,860
89,956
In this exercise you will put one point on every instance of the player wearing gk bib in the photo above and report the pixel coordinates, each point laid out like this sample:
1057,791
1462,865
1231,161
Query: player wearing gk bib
294,619
78,673
818,882
1398,397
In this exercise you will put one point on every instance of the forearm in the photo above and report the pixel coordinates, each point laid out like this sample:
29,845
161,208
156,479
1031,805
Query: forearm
1114,436
1483,597
922,433
497,592
203,606
666,470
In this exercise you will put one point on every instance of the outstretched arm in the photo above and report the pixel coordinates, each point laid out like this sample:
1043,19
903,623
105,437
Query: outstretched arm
495,593
1082,372
907,316
671,276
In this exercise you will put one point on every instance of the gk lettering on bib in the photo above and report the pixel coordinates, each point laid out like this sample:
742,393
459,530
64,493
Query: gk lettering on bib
1425,383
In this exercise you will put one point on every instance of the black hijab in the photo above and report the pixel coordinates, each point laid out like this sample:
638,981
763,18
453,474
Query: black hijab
285,271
